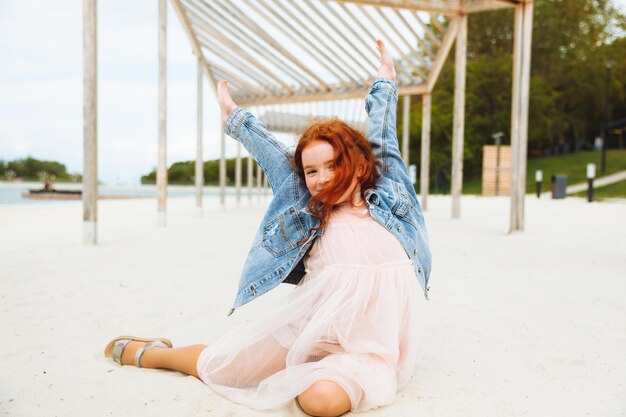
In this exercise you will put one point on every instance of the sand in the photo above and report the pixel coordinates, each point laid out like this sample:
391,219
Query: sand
529,324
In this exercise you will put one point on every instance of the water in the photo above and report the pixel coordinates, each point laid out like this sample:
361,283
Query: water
11,193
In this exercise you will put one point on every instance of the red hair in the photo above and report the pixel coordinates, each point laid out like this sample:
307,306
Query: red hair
353,158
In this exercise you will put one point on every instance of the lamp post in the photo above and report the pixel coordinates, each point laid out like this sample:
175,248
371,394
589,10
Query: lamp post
498,139
607,114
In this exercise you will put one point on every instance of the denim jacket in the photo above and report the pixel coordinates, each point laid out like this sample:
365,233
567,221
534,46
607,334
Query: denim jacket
275,255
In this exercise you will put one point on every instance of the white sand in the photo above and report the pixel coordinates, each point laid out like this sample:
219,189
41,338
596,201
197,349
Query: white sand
530,324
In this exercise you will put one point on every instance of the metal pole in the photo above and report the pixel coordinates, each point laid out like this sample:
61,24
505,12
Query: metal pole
90,122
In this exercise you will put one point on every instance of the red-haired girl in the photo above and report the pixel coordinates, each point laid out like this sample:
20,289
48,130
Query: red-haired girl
346,227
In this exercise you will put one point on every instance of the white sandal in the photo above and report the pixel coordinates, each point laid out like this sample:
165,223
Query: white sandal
115,347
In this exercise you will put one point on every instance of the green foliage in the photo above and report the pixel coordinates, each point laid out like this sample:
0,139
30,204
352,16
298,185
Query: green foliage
572,41
33,169
183,173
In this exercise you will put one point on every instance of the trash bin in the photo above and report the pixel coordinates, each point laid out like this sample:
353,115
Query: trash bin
559,185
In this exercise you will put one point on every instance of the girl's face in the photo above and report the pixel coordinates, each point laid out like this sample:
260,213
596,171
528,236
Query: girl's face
317,162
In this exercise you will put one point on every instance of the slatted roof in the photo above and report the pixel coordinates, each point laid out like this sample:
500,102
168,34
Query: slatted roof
286,51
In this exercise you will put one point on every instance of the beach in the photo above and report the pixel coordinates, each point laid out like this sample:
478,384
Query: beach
528,324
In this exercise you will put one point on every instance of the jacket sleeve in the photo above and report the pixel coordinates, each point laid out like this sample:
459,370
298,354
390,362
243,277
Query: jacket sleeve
380,105
272,155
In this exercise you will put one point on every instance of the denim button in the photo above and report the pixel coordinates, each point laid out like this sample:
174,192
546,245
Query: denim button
419,270
400,229
415,252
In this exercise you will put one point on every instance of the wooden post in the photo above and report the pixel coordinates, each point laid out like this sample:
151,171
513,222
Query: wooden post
162,160
406,108
199,159
259,174
222,169
459,116
249,177
238,173
425,160
519,111
90,122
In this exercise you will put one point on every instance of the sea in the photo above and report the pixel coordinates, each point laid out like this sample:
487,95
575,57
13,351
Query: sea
11,192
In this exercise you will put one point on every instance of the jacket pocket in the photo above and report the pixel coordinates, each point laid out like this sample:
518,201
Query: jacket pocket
402,204
281,234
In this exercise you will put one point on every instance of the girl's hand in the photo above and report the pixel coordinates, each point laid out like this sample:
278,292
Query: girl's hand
386,68
226,102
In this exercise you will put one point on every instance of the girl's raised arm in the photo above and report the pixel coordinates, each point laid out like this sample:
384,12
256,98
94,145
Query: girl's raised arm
272,155
380,105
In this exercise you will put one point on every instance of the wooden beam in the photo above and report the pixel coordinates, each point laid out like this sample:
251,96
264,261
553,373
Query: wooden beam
193,41
519,111
405,57
425,157
222,168
90,122
259,174
459,117
323,43
442,53
361,92
476,6
239,50
406,115
303,41
238,173
199,175
238,16
162,157
446,8
216,21
249,174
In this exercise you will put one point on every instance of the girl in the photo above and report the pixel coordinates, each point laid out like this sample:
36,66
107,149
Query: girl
346,227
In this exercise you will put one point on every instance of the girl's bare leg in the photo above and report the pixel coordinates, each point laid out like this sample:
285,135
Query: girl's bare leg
325,399
183,359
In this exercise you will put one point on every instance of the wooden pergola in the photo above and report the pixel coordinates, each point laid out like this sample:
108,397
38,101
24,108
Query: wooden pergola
300,51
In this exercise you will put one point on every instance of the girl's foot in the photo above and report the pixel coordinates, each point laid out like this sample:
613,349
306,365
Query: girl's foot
129,350
386,68
128,355
226,102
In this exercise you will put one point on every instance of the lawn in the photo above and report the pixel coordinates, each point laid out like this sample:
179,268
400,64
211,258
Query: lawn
617,190
574,165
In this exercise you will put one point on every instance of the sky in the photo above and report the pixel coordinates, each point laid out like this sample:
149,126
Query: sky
41,87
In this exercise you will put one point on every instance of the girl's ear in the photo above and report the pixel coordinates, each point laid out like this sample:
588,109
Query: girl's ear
360,170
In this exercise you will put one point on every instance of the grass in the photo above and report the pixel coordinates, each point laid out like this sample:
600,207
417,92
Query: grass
574,165
617,190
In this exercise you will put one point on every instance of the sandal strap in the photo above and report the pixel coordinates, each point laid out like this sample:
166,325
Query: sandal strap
118,349
143,348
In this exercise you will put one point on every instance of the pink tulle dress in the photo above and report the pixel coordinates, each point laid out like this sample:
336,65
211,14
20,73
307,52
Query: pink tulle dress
351,320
